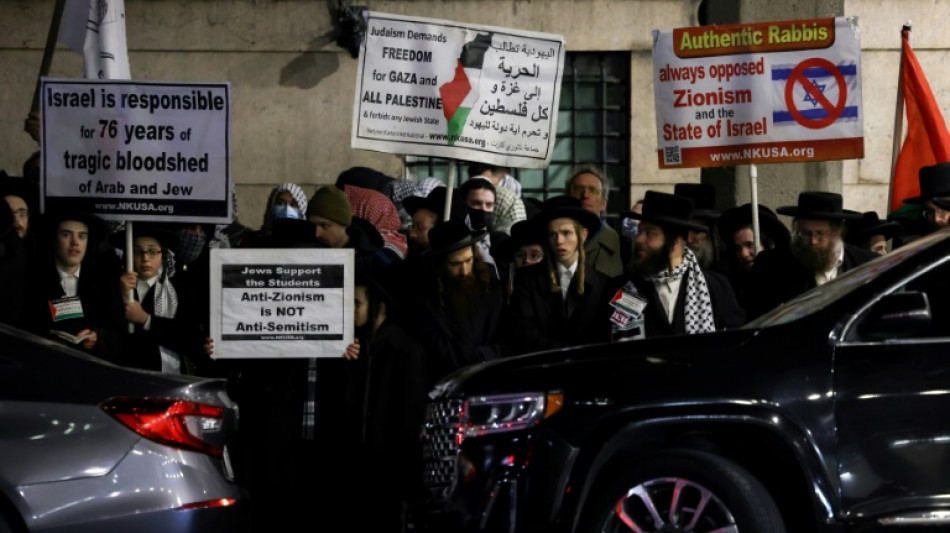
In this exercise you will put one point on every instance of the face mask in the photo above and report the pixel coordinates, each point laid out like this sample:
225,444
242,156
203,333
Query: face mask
190,246
286,211
479,219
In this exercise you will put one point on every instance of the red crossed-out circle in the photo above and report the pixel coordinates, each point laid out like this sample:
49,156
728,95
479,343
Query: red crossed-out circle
798,76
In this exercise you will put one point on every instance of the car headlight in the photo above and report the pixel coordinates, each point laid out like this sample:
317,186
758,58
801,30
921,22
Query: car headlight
484,415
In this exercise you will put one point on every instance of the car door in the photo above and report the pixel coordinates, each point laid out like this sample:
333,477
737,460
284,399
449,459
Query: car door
892,392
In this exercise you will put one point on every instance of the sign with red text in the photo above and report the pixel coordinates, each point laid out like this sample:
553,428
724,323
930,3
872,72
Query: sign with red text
445,89
767,92
139,151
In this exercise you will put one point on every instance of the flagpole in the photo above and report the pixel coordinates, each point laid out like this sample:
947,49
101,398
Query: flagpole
753,182
898,117
48,53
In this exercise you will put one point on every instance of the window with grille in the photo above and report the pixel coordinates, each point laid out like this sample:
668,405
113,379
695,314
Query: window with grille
593,128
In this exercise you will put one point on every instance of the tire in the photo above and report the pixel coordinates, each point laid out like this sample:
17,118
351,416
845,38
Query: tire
714,494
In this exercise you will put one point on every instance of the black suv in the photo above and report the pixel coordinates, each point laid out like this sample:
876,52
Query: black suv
826,414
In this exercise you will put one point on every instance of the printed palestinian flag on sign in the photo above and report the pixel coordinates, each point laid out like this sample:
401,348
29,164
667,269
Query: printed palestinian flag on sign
460,94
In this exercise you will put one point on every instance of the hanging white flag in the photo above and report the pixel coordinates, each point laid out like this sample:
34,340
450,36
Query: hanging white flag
96,30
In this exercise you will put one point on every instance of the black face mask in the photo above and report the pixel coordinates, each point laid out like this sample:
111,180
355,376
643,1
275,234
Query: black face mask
480,219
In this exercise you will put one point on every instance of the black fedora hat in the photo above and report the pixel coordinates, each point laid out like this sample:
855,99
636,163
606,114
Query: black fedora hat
819,205
870,224
21,187
434,202
564,206
704,199
523,233
160,232
49,222
667,209
737,217
934,183
451,235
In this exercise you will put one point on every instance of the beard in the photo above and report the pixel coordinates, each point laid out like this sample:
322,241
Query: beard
462,294
815,259
650,263
704,253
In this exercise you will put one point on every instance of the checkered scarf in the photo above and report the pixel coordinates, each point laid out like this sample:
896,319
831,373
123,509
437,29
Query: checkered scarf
380,211
698,309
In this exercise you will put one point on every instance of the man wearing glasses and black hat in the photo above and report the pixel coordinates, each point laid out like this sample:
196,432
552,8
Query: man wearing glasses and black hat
817,253
668,292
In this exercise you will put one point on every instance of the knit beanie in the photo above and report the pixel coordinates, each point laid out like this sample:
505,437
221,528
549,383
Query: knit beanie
330,202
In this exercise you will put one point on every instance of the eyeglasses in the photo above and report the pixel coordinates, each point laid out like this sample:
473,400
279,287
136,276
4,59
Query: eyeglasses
818,236
578,190
152,253
21,213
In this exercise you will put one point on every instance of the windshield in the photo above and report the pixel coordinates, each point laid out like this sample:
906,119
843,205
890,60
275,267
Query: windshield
820,297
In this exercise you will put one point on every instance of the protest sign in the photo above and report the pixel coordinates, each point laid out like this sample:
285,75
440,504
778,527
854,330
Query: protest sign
137,150
767,92
444,89
295,304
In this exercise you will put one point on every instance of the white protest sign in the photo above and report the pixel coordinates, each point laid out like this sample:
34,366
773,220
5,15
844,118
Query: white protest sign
444,89
281,303
148,151
768,92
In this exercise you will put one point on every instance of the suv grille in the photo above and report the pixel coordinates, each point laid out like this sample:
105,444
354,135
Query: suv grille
440,446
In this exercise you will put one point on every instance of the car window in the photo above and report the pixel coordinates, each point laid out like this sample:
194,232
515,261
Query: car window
935,283
820,297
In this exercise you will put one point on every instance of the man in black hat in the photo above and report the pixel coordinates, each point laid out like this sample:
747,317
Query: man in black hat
817,253
561,301
425,212
702,243
872,233
667,291
736,231
934,198
458,304
71,291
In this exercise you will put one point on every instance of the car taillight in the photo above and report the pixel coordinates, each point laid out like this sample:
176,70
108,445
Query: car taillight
177,423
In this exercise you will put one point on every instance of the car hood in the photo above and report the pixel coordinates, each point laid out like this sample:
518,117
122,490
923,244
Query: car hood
545,370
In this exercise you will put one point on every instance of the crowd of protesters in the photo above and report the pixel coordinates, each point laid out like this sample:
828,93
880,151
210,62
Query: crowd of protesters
443,279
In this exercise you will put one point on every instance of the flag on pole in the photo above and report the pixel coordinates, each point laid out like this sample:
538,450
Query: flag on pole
927,141
96,30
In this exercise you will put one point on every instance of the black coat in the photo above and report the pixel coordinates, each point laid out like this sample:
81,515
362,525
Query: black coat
539,319
727,314
777,277
385,405
99,294
141,347
451,341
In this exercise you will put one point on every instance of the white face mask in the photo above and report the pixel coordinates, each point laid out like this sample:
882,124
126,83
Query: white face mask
286,211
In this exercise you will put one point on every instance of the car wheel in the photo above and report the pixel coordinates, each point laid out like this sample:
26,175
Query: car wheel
684,491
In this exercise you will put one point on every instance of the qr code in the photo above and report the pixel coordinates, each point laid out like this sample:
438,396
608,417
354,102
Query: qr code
671,155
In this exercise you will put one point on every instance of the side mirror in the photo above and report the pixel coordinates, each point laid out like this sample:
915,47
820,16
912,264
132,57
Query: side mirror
899,314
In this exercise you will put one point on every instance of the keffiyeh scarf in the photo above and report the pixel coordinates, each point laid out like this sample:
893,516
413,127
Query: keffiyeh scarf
697,311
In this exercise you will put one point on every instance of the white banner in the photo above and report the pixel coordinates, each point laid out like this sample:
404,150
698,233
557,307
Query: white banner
281,303
137,150
444,89
766,92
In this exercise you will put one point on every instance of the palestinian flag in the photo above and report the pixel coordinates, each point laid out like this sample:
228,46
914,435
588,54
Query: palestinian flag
458,95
